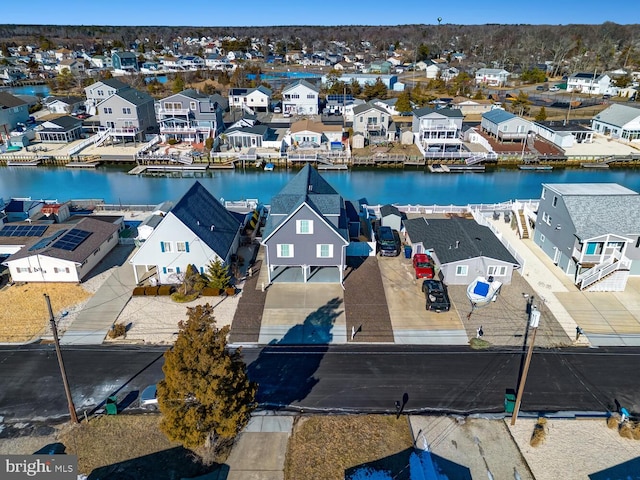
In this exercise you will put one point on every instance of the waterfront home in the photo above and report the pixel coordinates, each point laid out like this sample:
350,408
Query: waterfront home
494,77
13,111
371,121
128,114
438,130
63,129
461,248
591,231
588,82
189,116
125,61
306,233
101,90
307,134
256,136
337,103
562,134
505,126
300,98
18,209
618,121
61,252
198,230
65,105
253,99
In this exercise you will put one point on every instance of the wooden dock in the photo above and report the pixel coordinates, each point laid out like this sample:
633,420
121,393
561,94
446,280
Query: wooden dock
324,166
201,167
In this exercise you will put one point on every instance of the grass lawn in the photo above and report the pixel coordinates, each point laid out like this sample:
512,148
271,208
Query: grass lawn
24,313
327,447
109,446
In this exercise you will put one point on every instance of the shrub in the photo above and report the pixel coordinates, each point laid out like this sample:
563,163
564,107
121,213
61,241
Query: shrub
626,431
635,430
230,291
151,291
613,421
539,432
138,291
118,330
479,344
173,141
179,297
165,290
210,292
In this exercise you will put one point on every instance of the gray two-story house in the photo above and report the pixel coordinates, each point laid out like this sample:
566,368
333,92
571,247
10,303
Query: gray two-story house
591,231
126,61
101,90
189,116
371,121
306,233
438,130
13,110
128,114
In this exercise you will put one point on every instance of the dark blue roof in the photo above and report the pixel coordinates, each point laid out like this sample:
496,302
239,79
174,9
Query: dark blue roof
205,216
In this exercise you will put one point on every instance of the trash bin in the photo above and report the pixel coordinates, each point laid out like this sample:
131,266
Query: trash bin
407,251
509,402
111,405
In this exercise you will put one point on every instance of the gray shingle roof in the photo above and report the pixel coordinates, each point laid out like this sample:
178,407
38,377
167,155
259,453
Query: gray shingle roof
389,210
134,96
358,109
618,115
457,239
9,101
447,112
65,122
498,115
301,82
599,209
115,83
198,210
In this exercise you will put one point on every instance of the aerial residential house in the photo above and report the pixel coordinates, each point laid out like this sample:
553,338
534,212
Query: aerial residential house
255,99
57,252
307,134
102,61
438,130
618,121
64,129
470,106
189,116
125,61
191,62
300,98
63,53
440,70
462,249
19,209
13,110
371,121
128,114
589,83
306,233
198,230
505,126
101,90
564,135
74,65
65,105
494,77
337,103
256,136
591,231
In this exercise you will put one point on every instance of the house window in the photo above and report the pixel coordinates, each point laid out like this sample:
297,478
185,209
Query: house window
107,110
100,93
462,270
615,245
60,270
192,105
304,227
638,242
542,238
546,218
593,248
165,247
324,250
285,250
182,247
23,270
126,111
311,96
555,201
497,271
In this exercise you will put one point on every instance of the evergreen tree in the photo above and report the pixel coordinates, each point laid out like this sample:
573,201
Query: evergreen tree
206,396
178,84
404,102
541,116
218,275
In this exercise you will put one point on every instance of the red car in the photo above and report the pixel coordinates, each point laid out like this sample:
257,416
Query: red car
423,266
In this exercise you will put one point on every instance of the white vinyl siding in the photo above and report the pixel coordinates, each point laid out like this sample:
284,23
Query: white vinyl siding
285,250
324,250
462,270
304,227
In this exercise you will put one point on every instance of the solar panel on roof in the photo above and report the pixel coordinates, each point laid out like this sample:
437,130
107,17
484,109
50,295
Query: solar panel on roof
45,242
72,239
23,230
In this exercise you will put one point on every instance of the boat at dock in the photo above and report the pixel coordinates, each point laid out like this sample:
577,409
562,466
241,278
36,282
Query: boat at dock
439,168
536,167
594,165
269,167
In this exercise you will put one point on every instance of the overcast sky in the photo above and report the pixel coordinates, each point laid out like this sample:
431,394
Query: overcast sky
304,12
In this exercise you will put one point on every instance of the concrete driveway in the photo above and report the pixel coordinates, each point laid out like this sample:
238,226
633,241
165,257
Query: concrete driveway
411,322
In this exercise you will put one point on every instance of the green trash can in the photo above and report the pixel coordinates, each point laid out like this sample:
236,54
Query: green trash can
509,402
111,405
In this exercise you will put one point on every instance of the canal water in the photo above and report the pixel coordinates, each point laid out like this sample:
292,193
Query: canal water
380,186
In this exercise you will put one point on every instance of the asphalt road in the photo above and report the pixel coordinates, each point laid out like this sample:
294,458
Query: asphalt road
352,379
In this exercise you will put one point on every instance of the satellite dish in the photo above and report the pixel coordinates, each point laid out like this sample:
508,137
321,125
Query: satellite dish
439,20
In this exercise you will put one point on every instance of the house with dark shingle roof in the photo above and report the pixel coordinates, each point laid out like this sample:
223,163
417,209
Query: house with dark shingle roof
190,116
300,98
128,113
198,230
438,128
101,90
60,130
61,252
462,249
591,231
306,232
13,110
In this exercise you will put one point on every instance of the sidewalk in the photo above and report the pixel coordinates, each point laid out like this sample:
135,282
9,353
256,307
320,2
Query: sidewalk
103,309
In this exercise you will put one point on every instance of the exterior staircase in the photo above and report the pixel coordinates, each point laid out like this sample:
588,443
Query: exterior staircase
524,227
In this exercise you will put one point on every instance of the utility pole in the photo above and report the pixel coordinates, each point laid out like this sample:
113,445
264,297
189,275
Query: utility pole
534,320
54,329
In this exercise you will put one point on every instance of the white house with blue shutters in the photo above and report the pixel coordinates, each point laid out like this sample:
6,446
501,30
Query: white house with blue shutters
196,231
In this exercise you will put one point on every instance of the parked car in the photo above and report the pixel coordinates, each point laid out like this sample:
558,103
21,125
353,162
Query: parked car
540,88
388,242
423,265
436,296
554,89
277,110
149,398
